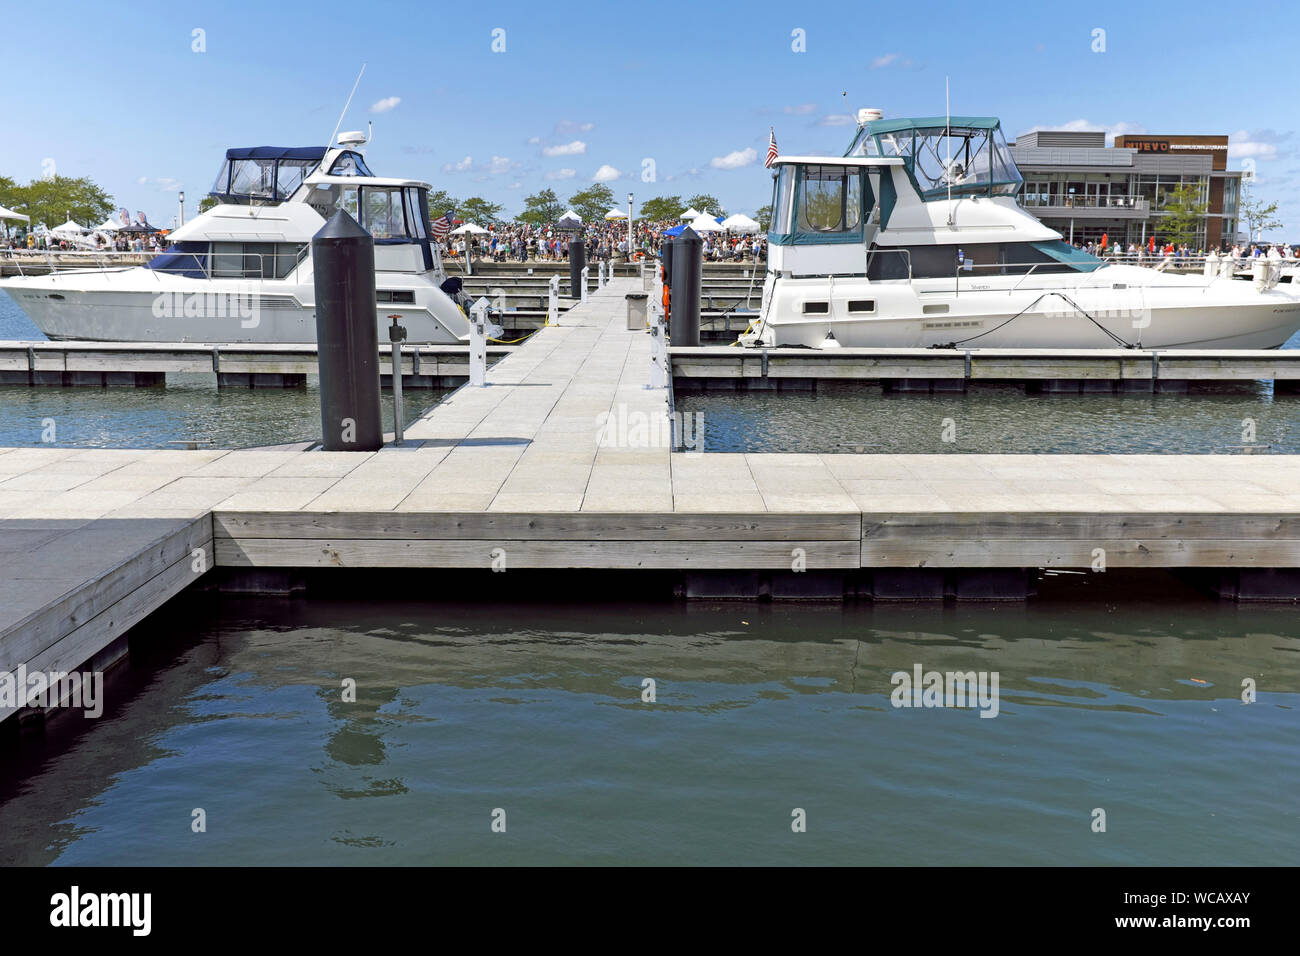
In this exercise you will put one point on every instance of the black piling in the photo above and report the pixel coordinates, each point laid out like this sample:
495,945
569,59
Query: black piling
347,336
688,267
577,260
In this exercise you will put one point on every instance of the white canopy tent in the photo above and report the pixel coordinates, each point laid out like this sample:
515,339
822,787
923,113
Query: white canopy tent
570,217
69,228
739,222
10,214
691,213
108,225
706,223
614,215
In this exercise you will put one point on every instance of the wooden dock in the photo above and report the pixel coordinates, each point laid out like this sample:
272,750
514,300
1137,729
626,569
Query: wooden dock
562,461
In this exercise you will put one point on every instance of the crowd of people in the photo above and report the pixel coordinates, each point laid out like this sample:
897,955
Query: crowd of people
97,242
602,242
1153,251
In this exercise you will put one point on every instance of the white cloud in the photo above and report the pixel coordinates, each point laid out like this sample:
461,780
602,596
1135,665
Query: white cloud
1260,144
514,185
606,174
164,184
1111,130
890,59
534,140
576,148
569,127
384,105
735,160
803,109
562,174
837,119
493,167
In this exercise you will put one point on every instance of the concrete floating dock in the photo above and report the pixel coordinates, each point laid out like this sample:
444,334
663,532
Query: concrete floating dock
235,365
562,461
951,369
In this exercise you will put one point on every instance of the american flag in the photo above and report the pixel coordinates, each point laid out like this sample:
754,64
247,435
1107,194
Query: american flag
441,226
771,148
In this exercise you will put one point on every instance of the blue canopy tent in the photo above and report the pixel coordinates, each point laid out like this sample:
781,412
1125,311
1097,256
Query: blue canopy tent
675,230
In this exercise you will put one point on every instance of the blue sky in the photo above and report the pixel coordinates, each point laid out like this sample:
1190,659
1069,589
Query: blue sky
596,89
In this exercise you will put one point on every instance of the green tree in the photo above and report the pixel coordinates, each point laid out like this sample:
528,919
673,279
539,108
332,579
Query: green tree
53,200
1183,215
206,203
478,210
7,189
441,203
764,217
541,208
1257,216
706,203
593,202
662,207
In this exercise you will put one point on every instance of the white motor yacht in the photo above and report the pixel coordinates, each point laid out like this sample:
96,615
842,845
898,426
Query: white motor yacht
242,270
914,238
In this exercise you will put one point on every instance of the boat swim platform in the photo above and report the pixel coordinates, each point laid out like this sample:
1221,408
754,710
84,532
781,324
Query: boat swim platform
512,476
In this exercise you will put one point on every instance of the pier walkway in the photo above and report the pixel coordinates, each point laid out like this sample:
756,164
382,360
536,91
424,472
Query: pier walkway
517,475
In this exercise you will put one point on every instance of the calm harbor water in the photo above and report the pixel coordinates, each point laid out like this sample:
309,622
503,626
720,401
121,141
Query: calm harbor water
835,418
190,407
1129,703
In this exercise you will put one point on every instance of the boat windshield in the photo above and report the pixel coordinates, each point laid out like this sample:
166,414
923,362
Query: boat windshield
968,158
264,173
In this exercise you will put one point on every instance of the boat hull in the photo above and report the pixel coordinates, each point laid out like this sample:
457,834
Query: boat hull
1219,315
136,305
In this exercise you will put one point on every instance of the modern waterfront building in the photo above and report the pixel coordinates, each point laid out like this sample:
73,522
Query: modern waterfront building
1082,188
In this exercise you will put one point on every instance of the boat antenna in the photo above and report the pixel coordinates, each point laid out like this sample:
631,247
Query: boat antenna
345,107
947,135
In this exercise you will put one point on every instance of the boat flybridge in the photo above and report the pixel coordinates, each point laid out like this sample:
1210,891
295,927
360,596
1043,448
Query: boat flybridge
242,270
914,238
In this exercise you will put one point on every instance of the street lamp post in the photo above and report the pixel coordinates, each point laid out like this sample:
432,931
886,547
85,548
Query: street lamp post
180,218
629,229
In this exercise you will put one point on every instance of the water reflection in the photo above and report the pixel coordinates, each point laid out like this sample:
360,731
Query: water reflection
537,708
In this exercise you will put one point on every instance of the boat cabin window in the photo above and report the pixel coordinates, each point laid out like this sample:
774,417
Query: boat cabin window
819,203
350,164
390,214
254,260
977,260
831,200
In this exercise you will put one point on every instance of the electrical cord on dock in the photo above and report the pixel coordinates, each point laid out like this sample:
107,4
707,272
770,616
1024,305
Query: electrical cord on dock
1074,305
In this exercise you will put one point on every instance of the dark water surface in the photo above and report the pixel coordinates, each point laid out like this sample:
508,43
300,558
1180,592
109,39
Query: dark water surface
190,407
1130,705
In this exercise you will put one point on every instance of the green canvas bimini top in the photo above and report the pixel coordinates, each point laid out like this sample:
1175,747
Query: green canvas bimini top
931,122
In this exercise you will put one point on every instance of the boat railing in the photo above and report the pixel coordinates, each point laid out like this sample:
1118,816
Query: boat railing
73,260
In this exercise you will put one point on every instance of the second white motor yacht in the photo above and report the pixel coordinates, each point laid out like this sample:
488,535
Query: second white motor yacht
914,239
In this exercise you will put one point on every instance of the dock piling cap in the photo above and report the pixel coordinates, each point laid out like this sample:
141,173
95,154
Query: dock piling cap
341,227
